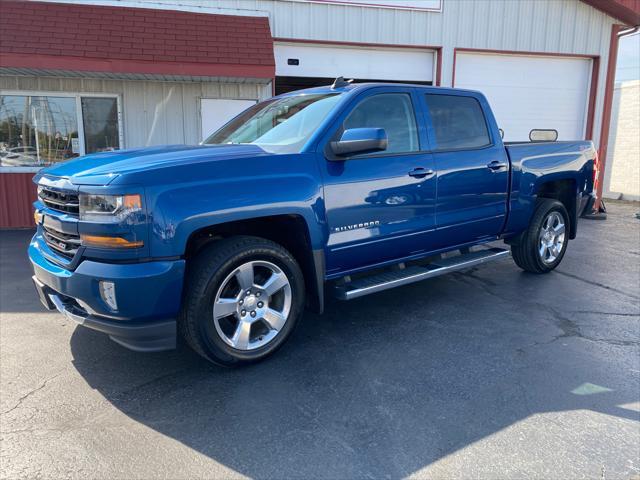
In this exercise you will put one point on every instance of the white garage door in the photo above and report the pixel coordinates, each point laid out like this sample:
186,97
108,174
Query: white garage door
215,112
528,92
331,61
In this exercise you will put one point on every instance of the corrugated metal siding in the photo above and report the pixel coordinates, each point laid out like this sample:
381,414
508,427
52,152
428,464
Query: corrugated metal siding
554,26
153,112
17,193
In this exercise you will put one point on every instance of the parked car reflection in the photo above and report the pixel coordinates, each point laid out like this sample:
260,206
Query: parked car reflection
19,157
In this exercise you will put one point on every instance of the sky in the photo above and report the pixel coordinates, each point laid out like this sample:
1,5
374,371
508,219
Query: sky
628,67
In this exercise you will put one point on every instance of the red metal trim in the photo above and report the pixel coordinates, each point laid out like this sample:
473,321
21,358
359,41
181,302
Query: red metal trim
453,69
55,62
438,78
606,111
524,52
355,44
627,12
381,5
436,49
593,90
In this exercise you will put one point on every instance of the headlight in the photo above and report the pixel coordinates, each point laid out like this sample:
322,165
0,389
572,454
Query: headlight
108,208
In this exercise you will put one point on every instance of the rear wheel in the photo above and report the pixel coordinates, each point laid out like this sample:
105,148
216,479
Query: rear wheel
544,244
244,297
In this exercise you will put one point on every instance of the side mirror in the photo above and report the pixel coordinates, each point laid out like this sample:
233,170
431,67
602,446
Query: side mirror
543,135
501,133
360,140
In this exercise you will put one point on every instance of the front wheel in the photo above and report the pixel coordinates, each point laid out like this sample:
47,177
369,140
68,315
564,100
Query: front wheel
244,296
544,243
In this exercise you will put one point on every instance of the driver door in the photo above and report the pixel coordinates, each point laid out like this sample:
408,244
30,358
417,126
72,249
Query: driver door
380,207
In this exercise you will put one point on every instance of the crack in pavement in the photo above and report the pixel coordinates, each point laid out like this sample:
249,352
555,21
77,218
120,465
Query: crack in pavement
597,284
569,327
616,314
29,393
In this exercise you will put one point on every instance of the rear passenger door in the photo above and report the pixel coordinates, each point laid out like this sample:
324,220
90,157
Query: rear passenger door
472,169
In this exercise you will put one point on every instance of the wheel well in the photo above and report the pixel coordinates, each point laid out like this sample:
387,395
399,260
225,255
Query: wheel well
565,192
290,231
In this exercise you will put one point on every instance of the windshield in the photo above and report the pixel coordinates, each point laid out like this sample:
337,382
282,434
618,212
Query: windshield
279,125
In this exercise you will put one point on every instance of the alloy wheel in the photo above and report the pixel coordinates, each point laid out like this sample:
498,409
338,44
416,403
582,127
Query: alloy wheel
552,237
252,305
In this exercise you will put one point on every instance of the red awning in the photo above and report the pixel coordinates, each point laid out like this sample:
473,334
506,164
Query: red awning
122,40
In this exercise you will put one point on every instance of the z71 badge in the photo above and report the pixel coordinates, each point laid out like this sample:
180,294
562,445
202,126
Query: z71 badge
356,226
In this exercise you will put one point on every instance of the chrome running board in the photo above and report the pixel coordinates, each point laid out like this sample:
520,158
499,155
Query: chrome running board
395,278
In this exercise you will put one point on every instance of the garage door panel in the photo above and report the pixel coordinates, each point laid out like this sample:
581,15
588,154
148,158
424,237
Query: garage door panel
529,92
304,60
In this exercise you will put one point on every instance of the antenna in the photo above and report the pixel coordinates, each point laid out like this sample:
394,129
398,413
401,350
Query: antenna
341,82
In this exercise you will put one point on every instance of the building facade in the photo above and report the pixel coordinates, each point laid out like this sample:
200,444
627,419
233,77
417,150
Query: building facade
622,175
82,76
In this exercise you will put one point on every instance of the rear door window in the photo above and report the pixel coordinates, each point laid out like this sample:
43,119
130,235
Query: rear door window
458,122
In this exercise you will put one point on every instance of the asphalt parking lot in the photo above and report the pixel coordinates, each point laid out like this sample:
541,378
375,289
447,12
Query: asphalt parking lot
488,373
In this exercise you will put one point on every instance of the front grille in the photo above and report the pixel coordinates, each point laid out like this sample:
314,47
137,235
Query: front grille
63,243
61,200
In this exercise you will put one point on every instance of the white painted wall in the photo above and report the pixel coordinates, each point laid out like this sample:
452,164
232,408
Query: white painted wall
622,170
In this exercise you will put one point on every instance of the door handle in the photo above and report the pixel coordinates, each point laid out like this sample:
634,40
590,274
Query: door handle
496,165
421,172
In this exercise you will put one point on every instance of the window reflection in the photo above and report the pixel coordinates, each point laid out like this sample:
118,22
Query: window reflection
37,131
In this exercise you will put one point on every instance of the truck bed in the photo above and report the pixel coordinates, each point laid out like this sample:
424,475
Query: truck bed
533,163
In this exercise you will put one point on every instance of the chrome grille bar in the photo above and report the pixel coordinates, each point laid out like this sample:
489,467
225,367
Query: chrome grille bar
61,200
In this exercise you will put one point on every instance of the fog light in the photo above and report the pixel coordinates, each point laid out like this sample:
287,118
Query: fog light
108,294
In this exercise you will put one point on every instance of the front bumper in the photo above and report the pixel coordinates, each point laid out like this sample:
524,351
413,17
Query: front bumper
149,296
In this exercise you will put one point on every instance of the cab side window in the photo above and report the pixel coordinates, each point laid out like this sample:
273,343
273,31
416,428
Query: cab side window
394,113
458,122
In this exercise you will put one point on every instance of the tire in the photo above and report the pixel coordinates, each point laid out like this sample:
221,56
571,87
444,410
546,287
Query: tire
243,298
539,251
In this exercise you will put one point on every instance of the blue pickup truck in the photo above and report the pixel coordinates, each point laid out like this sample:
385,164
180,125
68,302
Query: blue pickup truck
344,190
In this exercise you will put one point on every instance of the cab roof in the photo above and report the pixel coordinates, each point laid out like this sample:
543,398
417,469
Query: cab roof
358,87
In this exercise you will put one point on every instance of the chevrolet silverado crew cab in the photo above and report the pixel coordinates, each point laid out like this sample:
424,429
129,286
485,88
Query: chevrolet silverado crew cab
344,190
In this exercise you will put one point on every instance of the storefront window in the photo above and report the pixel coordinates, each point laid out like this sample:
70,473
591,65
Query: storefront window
37,131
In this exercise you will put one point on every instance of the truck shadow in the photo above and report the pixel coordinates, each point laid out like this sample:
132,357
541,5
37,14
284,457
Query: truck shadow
378,387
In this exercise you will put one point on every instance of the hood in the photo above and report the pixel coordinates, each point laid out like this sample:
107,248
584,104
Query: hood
104,168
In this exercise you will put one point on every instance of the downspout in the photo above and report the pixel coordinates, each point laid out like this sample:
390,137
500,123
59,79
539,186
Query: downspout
617,33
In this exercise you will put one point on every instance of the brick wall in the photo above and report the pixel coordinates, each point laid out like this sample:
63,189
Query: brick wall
622,175
69,34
